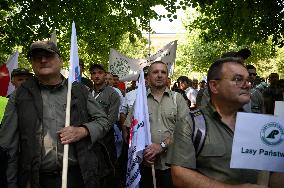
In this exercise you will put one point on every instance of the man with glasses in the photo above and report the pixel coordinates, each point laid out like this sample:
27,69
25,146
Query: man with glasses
229,89
33,129
257,101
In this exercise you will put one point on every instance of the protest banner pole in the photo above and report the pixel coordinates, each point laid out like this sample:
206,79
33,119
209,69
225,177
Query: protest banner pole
149,39
263,178
73,76
154,176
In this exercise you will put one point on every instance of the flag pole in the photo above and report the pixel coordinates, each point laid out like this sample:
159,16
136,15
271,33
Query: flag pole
149,39
74,62
66,146
149,55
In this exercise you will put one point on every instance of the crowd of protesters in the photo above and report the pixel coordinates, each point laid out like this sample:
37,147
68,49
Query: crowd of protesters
32,131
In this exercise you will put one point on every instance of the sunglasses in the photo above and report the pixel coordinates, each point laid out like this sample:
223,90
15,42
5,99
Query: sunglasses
252,74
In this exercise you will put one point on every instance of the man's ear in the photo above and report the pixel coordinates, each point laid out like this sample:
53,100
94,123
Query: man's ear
213,84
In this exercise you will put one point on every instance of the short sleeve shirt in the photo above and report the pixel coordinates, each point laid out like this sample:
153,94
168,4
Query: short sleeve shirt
214,159
163,116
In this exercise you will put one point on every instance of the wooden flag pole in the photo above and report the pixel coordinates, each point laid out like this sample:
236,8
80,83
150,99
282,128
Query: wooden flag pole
154,176
66,146
263,178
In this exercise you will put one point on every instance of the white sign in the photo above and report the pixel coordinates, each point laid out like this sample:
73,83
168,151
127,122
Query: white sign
279,108
258,142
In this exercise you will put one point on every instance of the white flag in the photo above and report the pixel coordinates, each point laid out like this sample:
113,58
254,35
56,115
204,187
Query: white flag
12,64
128,69
74,68
167,55
140,135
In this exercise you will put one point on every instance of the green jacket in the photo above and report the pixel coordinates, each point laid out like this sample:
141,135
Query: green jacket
92,157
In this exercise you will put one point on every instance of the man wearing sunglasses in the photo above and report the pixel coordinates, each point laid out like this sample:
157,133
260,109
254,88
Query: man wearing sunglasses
257,101
229,89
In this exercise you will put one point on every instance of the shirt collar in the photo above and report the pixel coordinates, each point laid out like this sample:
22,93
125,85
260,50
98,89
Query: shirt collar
167,91
212,110
53,87
100,90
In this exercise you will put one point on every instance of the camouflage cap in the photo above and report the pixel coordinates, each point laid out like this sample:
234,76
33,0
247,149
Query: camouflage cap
43,45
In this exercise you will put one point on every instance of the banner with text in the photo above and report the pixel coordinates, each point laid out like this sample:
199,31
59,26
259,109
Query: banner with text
128,69
258,142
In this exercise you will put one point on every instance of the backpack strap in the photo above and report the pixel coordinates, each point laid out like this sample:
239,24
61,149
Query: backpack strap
174,97
199,129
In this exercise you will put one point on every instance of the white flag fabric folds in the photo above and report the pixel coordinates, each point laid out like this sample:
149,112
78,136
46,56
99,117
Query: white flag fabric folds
74,68
140,135
128,69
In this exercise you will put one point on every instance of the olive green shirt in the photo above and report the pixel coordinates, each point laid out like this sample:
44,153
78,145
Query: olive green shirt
214,159
163,116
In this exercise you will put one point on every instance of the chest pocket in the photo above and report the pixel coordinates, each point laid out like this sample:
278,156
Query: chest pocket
170,113
213,150
104,104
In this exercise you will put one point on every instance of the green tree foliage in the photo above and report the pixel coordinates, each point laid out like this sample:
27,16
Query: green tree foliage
197,53
100,24
137,49
245,21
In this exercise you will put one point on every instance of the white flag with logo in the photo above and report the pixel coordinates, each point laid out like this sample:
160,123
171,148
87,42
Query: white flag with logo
140,135
128,69
74,68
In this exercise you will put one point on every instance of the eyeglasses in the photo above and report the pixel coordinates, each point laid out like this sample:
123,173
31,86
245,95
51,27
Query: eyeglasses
238,79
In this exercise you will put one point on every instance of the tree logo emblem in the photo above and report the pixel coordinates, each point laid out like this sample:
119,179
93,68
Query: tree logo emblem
271,134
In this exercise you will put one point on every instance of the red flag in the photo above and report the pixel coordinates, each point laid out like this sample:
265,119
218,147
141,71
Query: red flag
6,87
4,80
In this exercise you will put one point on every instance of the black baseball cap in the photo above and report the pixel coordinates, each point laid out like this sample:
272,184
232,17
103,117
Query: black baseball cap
42,45
21,71
96,66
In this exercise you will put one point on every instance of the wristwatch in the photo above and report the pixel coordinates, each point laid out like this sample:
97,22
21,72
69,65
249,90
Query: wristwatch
164,146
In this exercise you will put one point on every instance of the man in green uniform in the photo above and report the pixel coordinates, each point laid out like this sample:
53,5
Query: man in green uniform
229,90
165,108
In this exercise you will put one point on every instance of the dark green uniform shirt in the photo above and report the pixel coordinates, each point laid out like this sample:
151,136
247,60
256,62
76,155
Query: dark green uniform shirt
214,159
